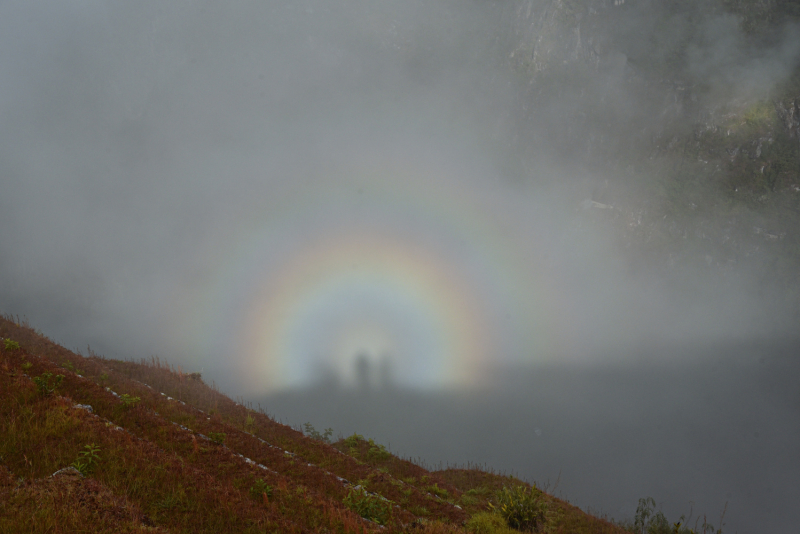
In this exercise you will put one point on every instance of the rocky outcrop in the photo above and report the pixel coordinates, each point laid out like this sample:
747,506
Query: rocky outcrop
789,114
684,111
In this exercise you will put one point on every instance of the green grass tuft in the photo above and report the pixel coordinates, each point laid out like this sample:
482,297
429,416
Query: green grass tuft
368,506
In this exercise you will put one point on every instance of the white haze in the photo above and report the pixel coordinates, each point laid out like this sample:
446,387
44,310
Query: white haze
139,140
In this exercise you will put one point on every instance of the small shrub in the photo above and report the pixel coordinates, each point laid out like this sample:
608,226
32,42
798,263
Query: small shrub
368,506
312,433
352,441
27,365
487,523
650,521
217,437
129,400
195,376
439,492
47,383
87,459
11,345
647,520
522,508
104,376
68,366
261,489
377,452
468,500
249,421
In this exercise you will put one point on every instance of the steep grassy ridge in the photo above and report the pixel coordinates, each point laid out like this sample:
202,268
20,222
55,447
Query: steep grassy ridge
157,450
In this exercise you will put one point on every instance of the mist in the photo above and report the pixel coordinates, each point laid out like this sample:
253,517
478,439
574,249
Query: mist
476,231
718,433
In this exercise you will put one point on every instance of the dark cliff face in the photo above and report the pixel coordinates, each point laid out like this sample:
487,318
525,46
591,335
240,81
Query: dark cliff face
683,119
637,73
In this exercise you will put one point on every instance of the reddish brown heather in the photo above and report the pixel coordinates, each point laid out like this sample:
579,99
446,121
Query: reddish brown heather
159,471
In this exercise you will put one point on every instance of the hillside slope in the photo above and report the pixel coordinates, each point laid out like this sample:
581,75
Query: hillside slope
92,444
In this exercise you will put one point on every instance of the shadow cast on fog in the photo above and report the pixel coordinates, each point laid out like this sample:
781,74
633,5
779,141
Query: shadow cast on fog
722,426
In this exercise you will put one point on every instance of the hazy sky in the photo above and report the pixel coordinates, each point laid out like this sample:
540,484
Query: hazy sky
268,191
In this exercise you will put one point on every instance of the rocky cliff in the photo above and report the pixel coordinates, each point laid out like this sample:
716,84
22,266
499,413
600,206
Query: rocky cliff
684,117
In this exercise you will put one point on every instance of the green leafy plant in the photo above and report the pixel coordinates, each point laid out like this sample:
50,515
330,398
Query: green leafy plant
468,500
439,492
47,383
481,491
11,345
104,376
487,523
368,506
312,433
352,441
522,508
648,520
68,366
129,400
27,365
261,489
87,459
217,437
377,452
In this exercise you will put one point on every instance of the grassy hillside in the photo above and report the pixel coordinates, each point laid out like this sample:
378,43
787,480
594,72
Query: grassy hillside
96,445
